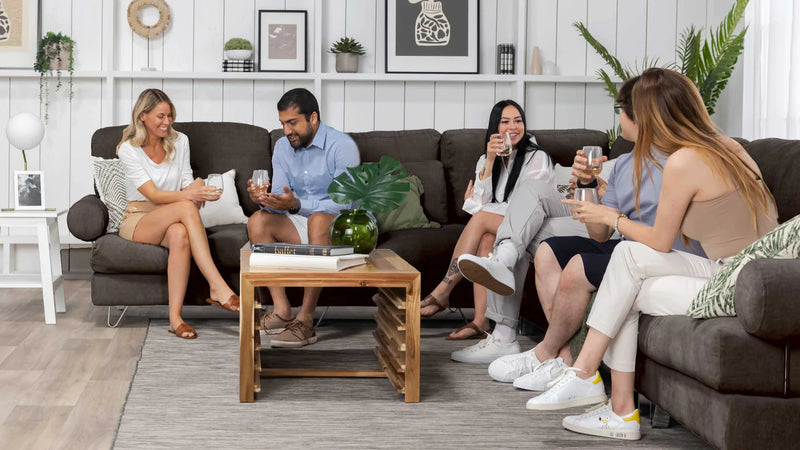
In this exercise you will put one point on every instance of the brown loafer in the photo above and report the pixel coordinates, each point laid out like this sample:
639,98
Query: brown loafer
233,300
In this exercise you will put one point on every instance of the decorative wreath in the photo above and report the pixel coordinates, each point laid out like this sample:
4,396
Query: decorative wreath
148,31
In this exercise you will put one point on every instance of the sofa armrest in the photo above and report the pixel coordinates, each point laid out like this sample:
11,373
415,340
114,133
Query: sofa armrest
87,219
766,298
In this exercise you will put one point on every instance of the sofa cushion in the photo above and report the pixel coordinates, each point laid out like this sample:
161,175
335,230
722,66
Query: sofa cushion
87,218
423,246
407,145
460,150
717,352
773,157
113,254
225,241
434,190
766,298
409,214
561,145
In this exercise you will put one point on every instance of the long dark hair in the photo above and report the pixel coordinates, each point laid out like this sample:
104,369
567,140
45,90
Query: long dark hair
524,146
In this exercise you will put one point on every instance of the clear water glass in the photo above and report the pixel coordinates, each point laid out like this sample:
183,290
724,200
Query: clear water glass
260,181
594,155
215,180
586,195
507,145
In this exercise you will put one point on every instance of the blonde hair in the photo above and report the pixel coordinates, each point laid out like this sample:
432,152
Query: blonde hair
136,131
671,115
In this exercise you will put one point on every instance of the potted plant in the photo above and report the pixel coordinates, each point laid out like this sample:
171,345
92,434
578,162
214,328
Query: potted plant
238,48
375,187
708,63
347,51
55,53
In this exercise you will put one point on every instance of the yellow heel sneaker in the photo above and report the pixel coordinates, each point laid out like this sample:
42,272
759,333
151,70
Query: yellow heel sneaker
602,421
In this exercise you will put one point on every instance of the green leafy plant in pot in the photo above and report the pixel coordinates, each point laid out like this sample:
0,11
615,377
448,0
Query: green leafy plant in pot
238,49
347,51
55,53
375,187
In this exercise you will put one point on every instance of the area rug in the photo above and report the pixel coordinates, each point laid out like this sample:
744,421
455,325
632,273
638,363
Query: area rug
185,394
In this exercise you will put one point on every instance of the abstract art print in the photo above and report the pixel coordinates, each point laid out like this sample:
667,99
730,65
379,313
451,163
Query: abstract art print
282,41
432,36
19,33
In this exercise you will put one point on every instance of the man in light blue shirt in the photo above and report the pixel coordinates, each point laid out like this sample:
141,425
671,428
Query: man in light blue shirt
299,210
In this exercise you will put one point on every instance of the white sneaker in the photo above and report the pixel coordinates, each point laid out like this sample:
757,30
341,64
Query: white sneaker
602,421
542,376
488,272
570,390
485,351
510,367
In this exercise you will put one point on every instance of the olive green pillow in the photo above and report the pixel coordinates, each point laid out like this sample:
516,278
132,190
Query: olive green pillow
409,214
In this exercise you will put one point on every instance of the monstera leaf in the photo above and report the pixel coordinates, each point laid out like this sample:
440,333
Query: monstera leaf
378,187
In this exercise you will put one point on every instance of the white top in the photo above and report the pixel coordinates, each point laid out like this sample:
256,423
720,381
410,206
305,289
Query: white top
537,166
171,175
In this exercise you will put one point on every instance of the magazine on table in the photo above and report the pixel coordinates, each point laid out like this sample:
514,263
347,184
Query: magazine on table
303,249
277,260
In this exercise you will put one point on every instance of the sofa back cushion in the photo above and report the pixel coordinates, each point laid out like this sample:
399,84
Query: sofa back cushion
462,148
216,147
774,157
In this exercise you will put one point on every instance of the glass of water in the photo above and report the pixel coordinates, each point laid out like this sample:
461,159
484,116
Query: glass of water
594,156
586,195
260,181
215,180
507,145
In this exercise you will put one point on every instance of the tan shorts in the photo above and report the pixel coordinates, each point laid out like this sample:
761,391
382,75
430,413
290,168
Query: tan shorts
134,211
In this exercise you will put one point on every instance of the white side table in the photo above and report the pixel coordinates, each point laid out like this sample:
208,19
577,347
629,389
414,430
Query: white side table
51,280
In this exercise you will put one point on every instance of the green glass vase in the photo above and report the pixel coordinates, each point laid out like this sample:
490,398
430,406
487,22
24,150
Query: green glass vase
356,228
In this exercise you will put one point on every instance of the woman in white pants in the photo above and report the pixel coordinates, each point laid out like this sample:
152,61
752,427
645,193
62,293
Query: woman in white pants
712,192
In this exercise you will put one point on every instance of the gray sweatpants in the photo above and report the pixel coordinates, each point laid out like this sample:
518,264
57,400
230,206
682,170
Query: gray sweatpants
535,213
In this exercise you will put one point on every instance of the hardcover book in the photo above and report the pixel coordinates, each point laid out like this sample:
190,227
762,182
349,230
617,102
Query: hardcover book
276,260
303,249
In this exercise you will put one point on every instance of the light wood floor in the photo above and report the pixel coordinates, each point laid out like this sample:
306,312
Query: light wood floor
63,385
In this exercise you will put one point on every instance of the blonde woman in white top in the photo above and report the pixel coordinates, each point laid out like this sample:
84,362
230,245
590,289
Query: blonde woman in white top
163,202
486,199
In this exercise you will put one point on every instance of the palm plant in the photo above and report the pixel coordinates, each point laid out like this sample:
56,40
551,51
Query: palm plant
378,187
708,63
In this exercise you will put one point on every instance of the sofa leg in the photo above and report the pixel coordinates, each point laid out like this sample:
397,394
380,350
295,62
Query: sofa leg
659,417
119,319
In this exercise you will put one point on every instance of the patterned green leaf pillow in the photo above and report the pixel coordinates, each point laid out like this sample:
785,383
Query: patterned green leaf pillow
715,299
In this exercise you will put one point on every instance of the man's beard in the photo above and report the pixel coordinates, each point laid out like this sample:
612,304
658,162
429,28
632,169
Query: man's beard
303,140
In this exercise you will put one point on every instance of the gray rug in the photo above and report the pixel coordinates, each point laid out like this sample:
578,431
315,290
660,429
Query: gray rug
185,394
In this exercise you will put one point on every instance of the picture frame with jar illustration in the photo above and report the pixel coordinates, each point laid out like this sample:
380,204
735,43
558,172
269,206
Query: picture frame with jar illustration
20,26
432,36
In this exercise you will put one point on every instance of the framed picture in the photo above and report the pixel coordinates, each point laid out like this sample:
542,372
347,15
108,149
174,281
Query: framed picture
282,37
432,36
29,189
19,33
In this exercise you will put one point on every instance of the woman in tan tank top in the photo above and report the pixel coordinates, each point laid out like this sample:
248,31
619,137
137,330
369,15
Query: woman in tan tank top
712,192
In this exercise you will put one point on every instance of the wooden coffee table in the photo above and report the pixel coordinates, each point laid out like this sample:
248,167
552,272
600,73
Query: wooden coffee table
397,317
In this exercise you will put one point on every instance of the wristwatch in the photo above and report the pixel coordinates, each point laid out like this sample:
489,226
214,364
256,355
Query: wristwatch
296,208
592,184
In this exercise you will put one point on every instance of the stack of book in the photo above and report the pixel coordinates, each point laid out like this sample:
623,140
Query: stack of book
505,59
305,256
238,65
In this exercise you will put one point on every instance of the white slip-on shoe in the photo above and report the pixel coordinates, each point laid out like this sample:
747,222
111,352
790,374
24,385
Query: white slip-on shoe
488,272
602,421
570,390
510,367
542,376
485,351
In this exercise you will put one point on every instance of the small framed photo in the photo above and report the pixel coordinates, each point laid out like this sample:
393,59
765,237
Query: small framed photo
29,189
432,36
19,33
282,37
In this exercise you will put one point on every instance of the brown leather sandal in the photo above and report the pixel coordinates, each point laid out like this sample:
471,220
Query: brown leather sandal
232,301
184,328
430,300
478,333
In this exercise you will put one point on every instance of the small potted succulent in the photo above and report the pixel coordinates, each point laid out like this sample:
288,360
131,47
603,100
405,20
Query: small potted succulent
238,49
375,187
347,51
55,53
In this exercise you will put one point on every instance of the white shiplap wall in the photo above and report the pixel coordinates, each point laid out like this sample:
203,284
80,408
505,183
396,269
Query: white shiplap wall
634,29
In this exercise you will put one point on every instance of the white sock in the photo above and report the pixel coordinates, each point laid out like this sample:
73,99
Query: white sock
506,253
504,333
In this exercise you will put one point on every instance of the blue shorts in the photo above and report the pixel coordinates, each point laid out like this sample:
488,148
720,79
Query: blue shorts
595,255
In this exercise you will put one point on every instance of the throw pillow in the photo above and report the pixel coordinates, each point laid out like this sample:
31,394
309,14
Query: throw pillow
227,209
715,299
563,174
109,180
409,214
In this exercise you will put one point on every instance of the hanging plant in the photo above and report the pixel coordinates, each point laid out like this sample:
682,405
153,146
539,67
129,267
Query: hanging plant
55,53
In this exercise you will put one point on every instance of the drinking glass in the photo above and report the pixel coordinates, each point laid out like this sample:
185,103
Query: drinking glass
594,155
507,146
586,194
215,180
260,181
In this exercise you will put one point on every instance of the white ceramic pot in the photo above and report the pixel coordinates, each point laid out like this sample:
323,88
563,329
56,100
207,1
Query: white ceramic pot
239,55
346,63
60,62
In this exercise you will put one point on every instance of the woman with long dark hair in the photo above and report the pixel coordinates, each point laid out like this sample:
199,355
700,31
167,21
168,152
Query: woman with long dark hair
486,199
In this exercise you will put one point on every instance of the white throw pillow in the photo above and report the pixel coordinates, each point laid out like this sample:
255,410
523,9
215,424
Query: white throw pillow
109,180
227,209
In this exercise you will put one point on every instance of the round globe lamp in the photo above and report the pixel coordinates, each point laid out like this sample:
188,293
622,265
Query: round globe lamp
24,131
